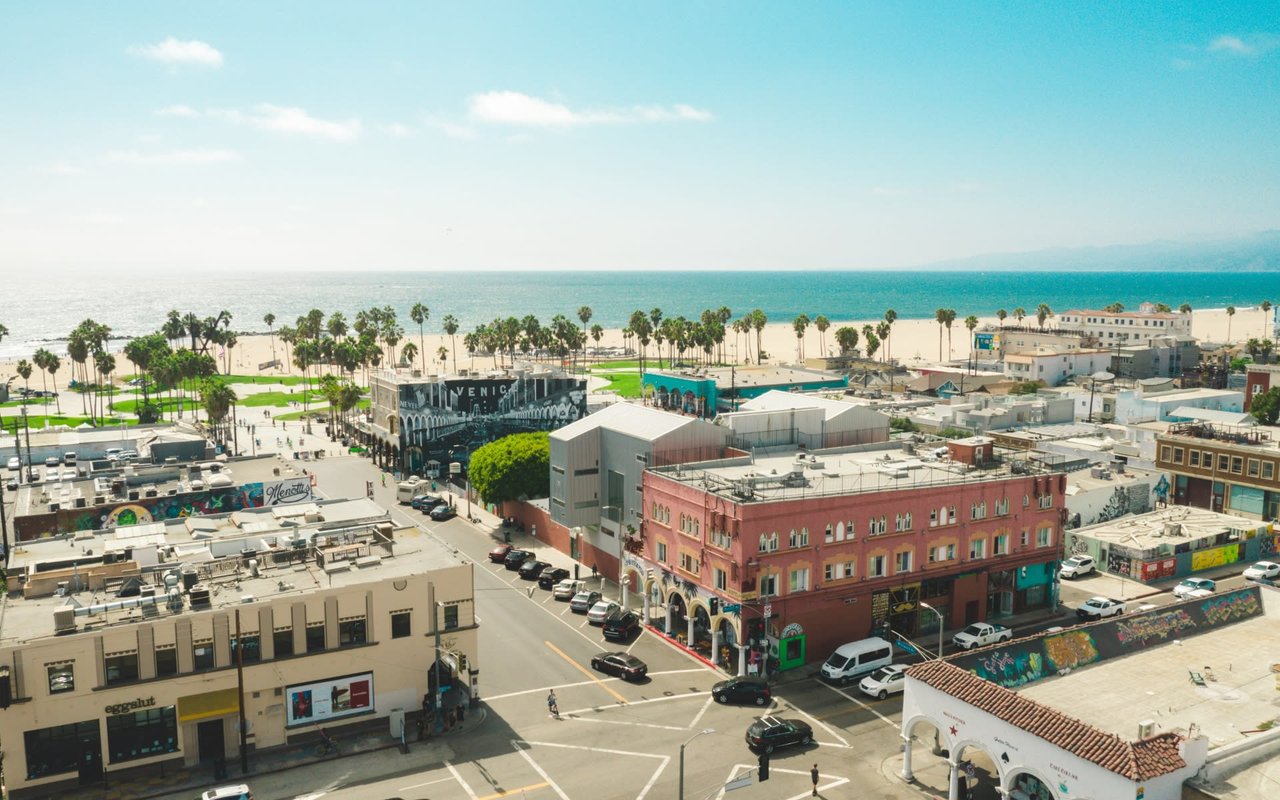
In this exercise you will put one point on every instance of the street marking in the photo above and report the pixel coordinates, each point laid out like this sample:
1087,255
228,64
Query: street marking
577,716
856,701
705,706
817,721
751,769
511,792
652,779
420,785
538,769
586,672
457,777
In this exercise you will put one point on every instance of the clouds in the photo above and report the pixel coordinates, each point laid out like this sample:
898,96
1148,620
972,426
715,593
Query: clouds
522,110
176,52
289,120
1243,47
199,156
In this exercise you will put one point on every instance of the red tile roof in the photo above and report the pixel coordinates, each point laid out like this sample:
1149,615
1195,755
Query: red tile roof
1136,761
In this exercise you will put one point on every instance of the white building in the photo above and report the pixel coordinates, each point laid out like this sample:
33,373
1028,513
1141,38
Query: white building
1110,327
1055,366
786,418
983,413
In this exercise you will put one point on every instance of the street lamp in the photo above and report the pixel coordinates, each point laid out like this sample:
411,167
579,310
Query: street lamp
702,732
940,624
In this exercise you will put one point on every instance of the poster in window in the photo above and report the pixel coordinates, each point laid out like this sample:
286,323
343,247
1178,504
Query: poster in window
329,699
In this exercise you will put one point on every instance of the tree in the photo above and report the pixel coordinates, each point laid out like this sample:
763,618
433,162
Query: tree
1002,315
450,324
1163,308
1026,387
41,359
270,320
1265,305
410,352
24,371
1019,314
890,317
1043,312
218,398
1265,407
846,339
822,323
53,366
1231,312
758,321
800,324
940,316
872,342
971,322
951,318
1185,308
442,353
1114,308
512,467
419,314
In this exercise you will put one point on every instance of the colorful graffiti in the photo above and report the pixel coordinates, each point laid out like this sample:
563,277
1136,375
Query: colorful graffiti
1231,607
1119,564
1070,650
1215,557
1141,631
1010,668
289,491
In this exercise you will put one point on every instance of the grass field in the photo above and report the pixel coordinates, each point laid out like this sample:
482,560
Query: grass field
38,422
650,363
165,403
625,384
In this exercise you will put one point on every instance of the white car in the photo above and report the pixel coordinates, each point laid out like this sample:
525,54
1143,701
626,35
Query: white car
1077,566
884,682
14,464
1194,587
1263,570
1100,608
602,611
567,588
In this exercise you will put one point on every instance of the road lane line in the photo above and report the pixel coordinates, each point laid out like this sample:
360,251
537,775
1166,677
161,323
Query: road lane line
578,715
705,706
538,769
817,721
512,792
420,785
858,702
586,672
458,777
751,768
652,779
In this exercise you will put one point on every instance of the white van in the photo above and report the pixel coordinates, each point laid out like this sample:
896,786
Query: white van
406,490
855,659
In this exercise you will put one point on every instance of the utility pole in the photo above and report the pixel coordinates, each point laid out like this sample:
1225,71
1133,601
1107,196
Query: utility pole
244,728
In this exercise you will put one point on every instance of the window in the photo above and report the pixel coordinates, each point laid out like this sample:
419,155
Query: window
978,510
1193,458
768,585
829,536
122,667
799,580
933,518
1044,536
721,578
875,567
848,569
800,539
847,529
662,552
902,561
830,571
1000,545
1177,455
689,563
1046,501
1254,467
1224,462
400,624
315,637
351,631
1268,470
1002,507
450,617
203,655
282,642
942,553
166,661
1026,500
142,734
951,514
62,678
978,549
902,522
1237,464
55,750
877,525
252,649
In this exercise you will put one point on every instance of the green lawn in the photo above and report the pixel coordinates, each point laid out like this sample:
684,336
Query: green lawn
37,422
626,384
284,380
363,405
278,399
650,363
165,402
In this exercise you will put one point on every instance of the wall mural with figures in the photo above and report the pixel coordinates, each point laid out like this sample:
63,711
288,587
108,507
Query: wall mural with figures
1024,661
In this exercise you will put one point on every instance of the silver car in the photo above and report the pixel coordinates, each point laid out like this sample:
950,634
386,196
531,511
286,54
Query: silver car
602,611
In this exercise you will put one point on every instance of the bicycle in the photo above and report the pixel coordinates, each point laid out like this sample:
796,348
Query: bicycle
327,745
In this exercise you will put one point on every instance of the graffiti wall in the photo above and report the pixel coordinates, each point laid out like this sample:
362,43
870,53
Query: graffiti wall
1215,557
1023,662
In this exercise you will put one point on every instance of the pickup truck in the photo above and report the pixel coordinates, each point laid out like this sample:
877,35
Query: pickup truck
981,634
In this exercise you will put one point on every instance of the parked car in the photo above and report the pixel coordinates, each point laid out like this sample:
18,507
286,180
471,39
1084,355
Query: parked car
567,589
1100,608
769,733
11,484
583,601
548,578
621,665
530,570
499,553
53,461
14,464
1194,587
621,626
113,453
128,455
234,792
601,611
426,502
1077,566
884,682
443,512
1263,570
515,558
981,634
743,689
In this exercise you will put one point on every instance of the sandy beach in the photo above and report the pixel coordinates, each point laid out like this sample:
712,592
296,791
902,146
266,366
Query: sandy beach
912,342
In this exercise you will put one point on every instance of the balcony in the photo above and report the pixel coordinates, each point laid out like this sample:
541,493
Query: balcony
1228,434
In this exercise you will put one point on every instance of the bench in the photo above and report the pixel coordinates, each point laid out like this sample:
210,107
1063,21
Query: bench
1196,677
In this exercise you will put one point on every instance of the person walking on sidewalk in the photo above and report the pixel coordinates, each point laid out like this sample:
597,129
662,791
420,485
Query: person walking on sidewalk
813,773
551,704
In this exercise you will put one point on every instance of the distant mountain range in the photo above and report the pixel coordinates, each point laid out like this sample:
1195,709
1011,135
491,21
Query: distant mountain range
1259,252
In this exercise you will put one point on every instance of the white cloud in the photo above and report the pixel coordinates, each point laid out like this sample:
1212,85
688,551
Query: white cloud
397,130
516,108
452,129
195,156
63,168
289,119
1246,47
174,51
177,111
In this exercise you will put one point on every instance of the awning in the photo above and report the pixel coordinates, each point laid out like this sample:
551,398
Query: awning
210,704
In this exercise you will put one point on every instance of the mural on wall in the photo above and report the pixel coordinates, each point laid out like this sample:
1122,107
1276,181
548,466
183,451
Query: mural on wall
277,493
1230,607
1011,666
1215,557
1119,563
1160,568
1141,631
1069,650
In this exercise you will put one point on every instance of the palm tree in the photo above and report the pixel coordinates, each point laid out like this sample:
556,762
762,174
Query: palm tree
800,324
971,322
270,320
450,325
1113,308
409,352
882,333
41,359
218,398
584,315
822,323
1185,308
758,321
1231,312
24,372
597,333
846,338
890,317
940,316
52,365
1002,315
1265,305
950,318
1019,314
1043,312
442,353
419,314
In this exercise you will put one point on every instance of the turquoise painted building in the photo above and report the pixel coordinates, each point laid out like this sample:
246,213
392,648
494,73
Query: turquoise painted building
710,391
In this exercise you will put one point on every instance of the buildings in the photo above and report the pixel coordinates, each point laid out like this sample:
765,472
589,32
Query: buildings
1260,378
794,553
779,418
1110,327
156,644
421,425
1228,468
983,413
1154,399
1054,366
707,391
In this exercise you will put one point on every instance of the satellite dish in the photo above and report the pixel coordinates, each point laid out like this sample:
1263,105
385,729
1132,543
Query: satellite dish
1102,375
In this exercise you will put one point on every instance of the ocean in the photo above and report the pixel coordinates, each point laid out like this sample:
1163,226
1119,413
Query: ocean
40,312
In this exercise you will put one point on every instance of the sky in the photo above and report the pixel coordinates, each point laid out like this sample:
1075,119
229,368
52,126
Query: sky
283,136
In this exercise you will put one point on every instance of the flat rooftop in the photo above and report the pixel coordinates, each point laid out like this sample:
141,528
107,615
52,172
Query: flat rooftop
1169,528
838,471
343,543
752,376
1154,684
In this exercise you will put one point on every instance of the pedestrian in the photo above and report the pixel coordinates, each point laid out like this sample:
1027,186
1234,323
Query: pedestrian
813,773
551,703
384,480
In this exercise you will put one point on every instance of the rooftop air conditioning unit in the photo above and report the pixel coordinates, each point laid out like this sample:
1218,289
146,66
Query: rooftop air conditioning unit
1146,729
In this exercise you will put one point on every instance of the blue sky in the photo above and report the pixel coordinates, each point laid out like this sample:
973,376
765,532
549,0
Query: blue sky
569,135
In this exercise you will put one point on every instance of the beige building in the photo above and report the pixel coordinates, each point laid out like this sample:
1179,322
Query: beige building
146,645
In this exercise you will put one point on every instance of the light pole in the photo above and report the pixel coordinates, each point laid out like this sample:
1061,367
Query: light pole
702,732
940,624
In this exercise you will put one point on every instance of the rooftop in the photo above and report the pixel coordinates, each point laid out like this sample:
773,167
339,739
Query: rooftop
1168,528
742,377
1256,436
643,422
840,471
127,575
1122,314
786,401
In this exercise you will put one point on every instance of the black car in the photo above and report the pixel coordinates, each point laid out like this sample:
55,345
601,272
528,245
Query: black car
621,626
743,689
548,578
442,513
530,570
515,558
768,733
622,665
426,503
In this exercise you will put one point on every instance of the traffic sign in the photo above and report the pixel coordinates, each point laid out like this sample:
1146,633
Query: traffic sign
729,607
768,609
738,783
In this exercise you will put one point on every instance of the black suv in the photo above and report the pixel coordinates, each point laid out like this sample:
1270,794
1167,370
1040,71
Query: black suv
767,733
743,689
549,577
621,626
530,570
515,558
